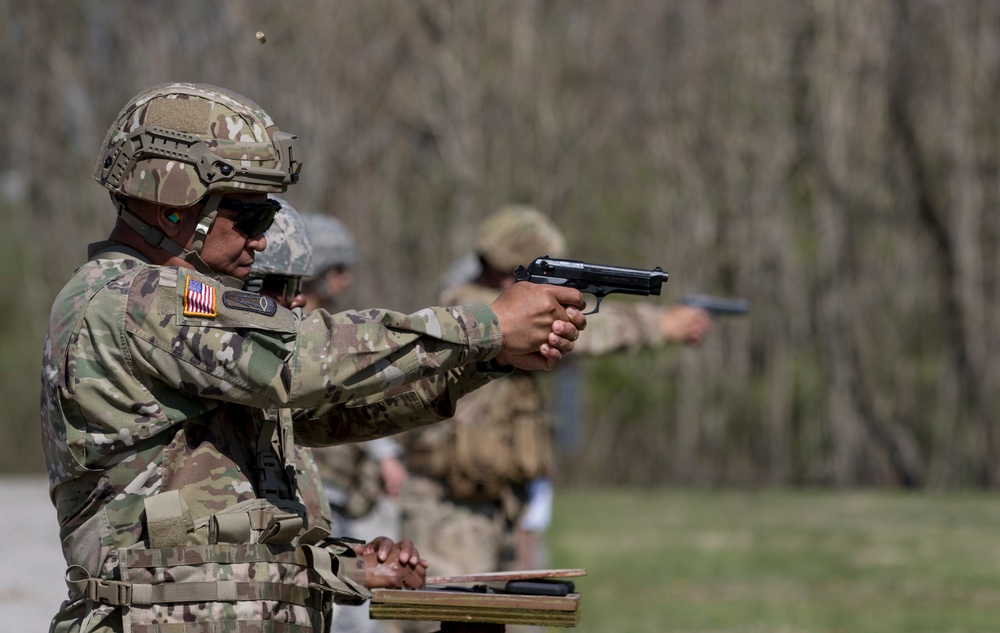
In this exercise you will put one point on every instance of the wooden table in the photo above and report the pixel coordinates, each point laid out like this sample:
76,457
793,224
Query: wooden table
460,610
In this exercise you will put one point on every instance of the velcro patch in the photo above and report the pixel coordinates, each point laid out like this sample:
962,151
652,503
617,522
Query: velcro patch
199,299
190,114
250,302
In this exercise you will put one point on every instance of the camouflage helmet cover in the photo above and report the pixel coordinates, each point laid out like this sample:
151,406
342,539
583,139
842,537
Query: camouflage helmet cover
332,242
516,235
175,143
289,251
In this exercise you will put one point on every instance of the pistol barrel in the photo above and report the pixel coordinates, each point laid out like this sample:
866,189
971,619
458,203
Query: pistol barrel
717,306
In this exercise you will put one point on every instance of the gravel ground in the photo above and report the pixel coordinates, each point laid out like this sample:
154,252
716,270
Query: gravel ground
31,574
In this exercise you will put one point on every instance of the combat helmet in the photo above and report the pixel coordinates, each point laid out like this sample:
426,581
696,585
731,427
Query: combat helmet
516,235
288,256
178,144
332,242
289,250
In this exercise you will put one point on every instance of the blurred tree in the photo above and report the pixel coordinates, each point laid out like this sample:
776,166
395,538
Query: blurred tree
832,162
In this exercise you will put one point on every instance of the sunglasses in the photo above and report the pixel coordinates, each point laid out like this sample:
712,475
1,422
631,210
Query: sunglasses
252,218
280,286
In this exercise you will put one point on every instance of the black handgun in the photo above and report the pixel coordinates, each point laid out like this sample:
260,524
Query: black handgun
717,306
595,279
540,587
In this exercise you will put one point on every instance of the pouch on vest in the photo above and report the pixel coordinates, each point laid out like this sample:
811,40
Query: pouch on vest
502,438
259,573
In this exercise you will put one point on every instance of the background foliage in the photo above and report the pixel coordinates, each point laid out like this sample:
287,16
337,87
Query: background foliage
833,162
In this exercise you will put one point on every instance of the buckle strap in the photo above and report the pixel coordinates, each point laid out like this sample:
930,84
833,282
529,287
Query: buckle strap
221,591
336,575
270,469
268,478
81,584
119,593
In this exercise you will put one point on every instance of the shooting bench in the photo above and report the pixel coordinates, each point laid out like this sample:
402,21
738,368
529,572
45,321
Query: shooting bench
485,603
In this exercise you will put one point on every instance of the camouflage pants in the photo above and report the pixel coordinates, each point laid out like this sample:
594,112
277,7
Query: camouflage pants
455,537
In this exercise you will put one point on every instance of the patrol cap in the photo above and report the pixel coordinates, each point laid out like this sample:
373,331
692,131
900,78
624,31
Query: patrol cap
516,235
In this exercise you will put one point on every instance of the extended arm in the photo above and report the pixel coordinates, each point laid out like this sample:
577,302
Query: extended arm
408,407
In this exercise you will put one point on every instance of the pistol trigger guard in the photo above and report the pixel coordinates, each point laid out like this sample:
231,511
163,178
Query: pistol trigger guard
597,305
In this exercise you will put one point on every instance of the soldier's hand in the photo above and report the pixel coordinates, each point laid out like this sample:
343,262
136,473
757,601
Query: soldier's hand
394,475
685,324
392,565
561,339
539,324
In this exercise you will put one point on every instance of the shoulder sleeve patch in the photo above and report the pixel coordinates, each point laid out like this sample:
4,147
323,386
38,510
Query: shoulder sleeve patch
249,302
199,299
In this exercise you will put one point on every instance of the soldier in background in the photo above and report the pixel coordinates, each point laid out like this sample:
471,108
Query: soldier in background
174,488
277,272
470,477
280,271
334,257
362,480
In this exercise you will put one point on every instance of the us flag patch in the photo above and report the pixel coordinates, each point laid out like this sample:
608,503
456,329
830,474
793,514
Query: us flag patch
199,299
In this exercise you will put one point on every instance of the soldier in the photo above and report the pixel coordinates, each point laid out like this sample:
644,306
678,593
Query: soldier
278,273
333,259
175,491
469,477
340,485
362,480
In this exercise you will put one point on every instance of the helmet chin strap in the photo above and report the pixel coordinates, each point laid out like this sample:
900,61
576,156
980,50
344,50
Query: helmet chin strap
158,239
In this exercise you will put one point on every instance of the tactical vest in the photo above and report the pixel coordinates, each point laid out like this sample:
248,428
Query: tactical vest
500,438
252,567
351,478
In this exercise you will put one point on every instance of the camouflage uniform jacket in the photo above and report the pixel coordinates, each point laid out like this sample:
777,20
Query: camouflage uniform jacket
156,383
500,436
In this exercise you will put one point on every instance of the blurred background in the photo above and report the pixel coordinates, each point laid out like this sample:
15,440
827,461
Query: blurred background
835,163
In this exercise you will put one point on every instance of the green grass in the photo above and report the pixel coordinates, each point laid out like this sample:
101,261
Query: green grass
781,561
